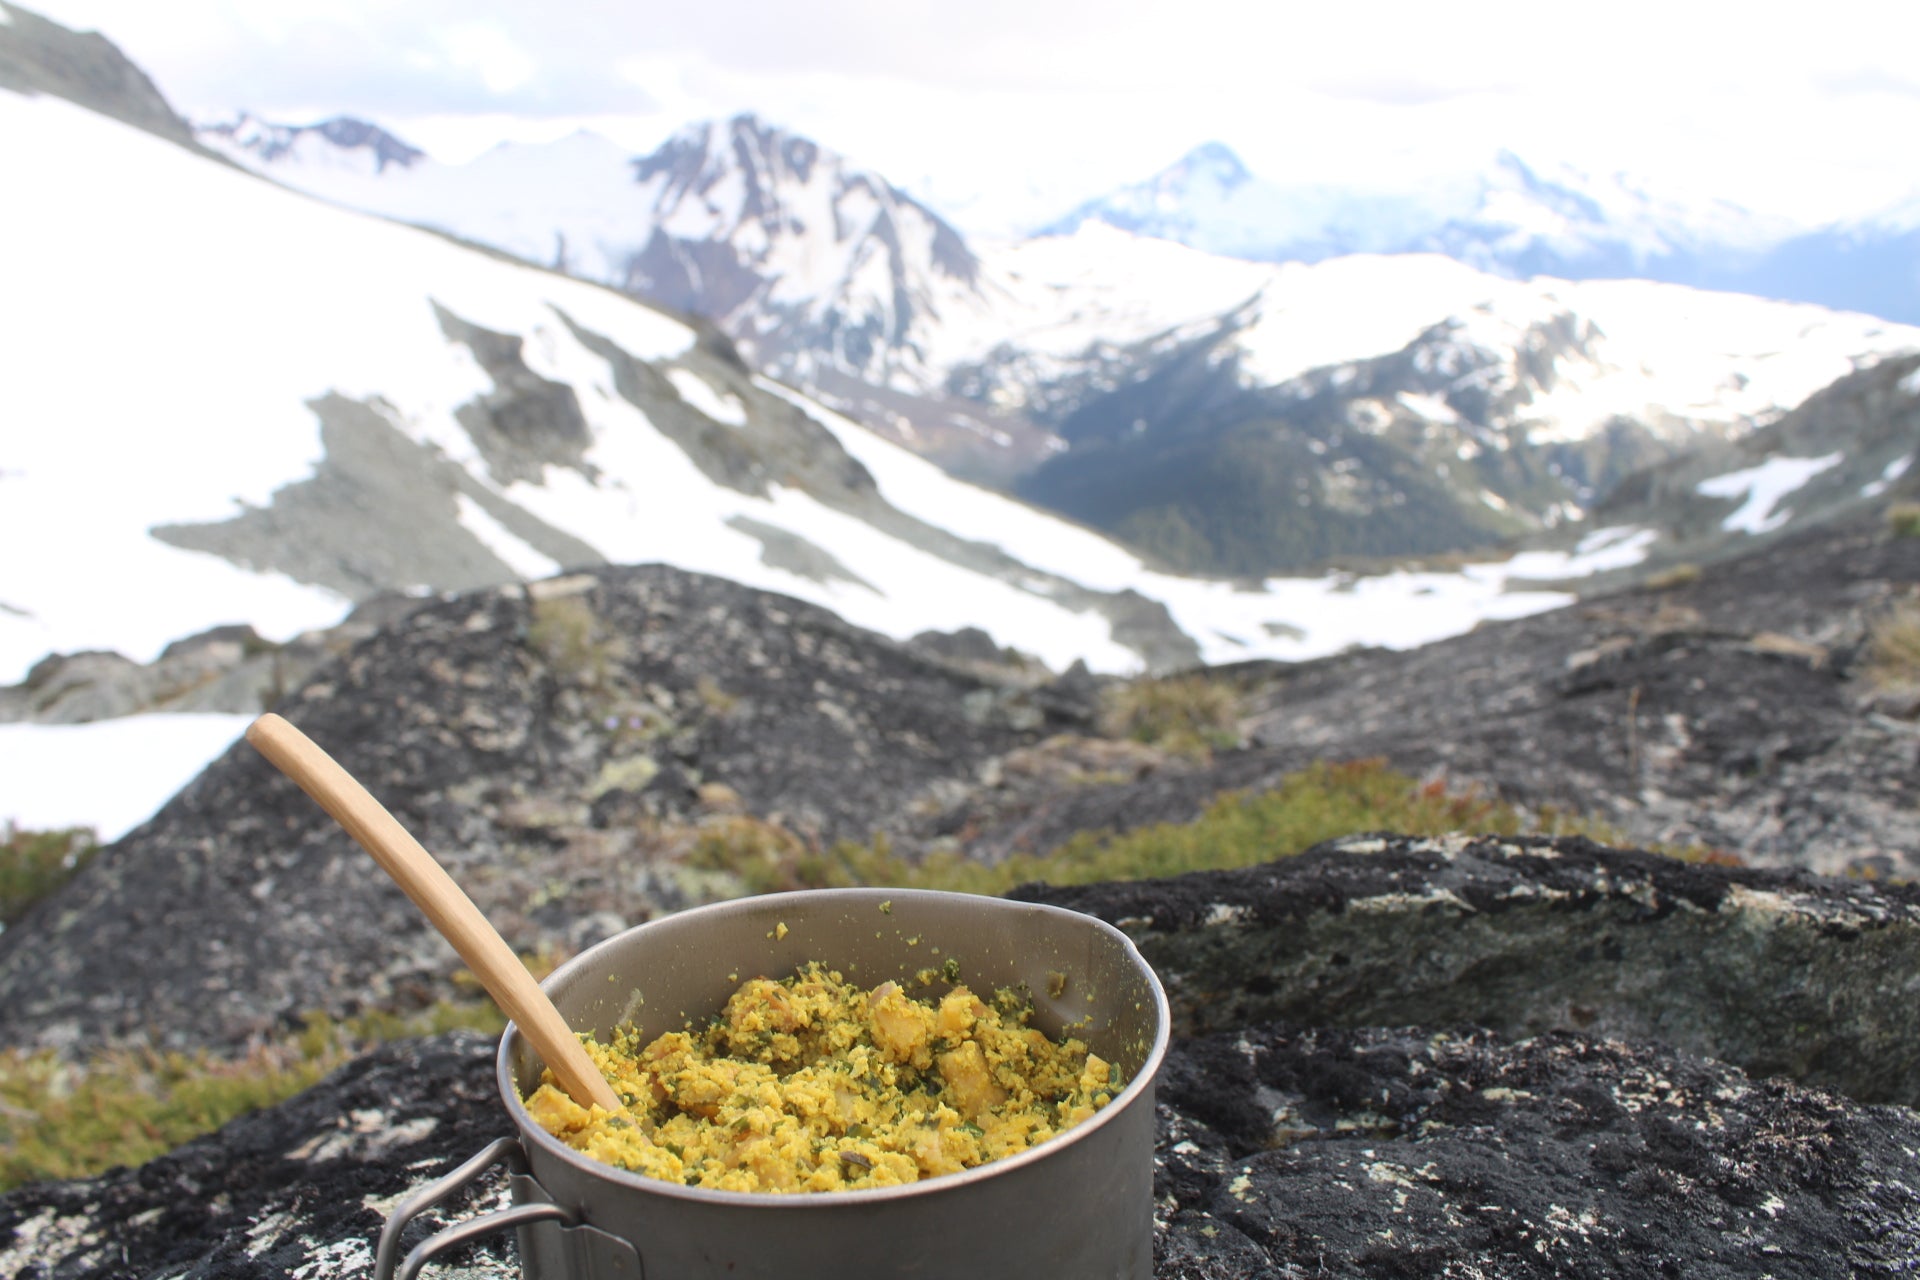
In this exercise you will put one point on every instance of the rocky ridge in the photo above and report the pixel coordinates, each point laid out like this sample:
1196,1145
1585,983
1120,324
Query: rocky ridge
39,56
565,748
1728,707
592,750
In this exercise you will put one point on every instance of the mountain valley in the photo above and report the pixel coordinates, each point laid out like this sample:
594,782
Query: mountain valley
1109,374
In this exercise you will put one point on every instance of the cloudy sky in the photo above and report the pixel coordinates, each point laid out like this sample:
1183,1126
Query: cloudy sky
1009,111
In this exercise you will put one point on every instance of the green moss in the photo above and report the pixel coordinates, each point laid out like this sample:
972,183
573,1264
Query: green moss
35,863
765,856
714,698
1903,519
566,634
1189,715
1679,575
1238,830
1893,648
630,774
70,1120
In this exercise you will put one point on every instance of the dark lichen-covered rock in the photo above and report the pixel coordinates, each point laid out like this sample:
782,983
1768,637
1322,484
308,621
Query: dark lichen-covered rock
299,1189
1281,1152
539,740
1727,709
1287,1149
1400,1153
1779,972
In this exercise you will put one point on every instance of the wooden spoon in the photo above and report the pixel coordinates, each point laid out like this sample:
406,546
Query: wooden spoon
435,893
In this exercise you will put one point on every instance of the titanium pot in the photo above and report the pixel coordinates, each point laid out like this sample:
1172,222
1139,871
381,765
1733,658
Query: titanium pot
1080,1205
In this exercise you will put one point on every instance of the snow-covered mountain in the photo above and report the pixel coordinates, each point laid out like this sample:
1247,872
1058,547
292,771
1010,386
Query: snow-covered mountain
355,147
806,260
1507,218
821,272
222,432
571,203
1514,219
1370,404
1056,364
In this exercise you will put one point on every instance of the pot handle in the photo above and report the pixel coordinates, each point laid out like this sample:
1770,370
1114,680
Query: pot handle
433,1193
518,1216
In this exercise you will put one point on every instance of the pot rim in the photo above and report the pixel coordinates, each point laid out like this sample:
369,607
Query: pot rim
1142,1081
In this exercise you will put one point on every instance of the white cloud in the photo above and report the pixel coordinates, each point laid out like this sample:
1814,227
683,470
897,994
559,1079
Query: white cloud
502,65
1004,108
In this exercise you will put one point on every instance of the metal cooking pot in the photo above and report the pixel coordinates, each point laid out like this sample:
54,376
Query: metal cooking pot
1080,1205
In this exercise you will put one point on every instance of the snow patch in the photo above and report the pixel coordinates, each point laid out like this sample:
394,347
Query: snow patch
512,550
700,395
50,774
1603,550
1895,469
1432,408
1764,486
1911,383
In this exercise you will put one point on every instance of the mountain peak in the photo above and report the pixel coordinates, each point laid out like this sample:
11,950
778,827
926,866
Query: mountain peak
769,154
349,132
750,217
1214,160
1206,178
359,142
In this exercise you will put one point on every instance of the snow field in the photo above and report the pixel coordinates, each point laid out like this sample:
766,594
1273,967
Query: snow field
110,775
1663,351
163,357
1763,487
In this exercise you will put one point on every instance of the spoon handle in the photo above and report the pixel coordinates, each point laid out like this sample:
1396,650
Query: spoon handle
442,901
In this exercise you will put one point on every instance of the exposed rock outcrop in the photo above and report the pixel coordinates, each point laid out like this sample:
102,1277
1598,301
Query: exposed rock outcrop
1729,708
84,67
1283,1150
551,745
1782,973
578,751
230,669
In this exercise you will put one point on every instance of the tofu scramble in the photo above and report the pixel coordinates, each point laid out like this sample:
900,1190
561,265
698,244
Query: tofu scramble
813,1084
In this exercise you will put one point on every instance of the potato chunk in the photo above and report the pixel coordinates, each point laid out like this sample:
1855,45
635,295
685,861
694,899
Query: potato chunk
969,1087
902,1029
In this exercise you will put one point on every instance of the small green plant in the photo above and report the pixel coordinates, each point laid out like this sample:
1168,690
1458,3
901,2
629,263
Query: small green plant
566,635
1188,715
1893,648
714,698
1238,830
35,863
1903,519
1679,575
766,856
61,1119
